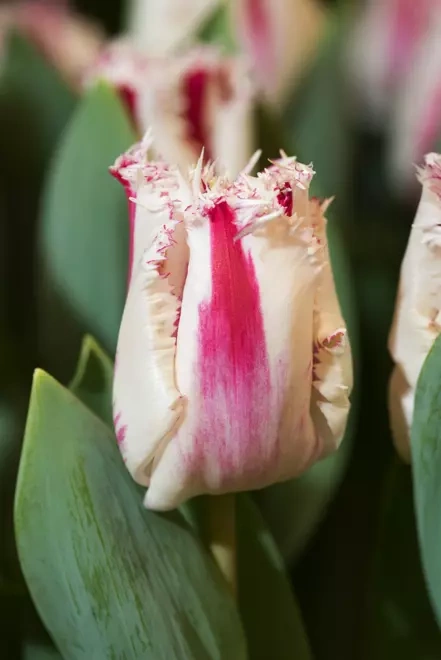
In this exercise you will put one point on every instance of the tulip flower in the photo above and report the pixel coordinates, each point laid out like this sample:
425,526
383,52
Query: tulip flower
417,320
383,45
161,26
199,100
280,37
416,121
68,41
233,367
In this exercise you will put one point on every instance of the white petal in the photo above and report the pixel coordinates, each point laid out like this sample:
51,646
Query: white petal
160,26
147,403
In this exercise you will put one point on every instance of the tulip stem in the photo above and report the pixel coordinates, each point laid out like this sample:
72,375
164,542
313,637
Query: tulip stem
221,535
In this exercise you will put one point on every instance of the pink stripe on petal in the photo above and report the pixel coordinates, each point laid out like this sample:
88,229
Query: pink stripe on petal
196,84
235,384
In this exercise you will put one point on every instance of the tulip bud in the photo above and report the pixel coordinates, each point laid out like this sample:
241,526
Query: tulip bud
69,41
280,37
160,26
417,320
233,366
199,100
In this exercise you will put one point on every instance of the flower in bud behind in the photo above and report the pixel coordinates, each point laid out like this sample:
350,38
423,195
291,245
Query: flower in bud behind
416,120
280,37
417,320
233,367
70,42
199,100
383,44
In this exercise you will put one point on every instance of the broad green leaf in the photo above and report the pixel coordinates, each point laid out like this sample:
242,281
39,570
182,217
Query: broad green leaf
35,105
269,611
84,233
92,383
109,578
426,469
400,622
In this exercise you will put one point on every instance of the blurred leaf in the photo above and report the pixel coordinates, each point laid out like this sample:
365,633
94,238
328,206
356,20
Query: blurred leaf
270,614
93,380
35,100
426,468
109,578
315,118
84,241
35,651
35,104
217,30
400,623
295,508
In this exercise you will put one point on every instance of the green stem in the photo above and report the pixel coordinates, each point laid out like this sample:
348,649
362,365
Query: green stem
221,534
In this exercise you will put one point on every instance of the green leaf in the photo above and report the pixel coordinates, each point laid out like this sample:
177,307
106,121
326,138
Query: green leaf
84,233
315,118
270,614
426,468
216,30
400,622
35,105
92,383
109,578
294,509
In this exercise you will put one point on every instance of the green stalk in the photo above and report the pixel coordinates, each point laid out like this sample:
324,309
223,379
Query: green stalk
220,530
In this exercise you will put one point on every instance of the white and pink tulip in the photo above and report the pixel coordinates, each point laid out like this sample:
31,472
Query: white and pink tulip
280,38
233,364
198,100
417,321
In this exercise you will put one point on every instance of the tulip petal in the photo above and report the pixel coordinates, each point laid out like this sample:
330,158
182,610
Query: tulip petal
280,37
147,403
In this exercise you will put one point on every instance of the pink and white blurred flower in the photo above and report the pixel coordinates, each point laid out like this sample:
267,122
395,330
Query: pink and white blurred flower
417,320
233,366
70,42
385,39
160,27
416,120
198,100
280,38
